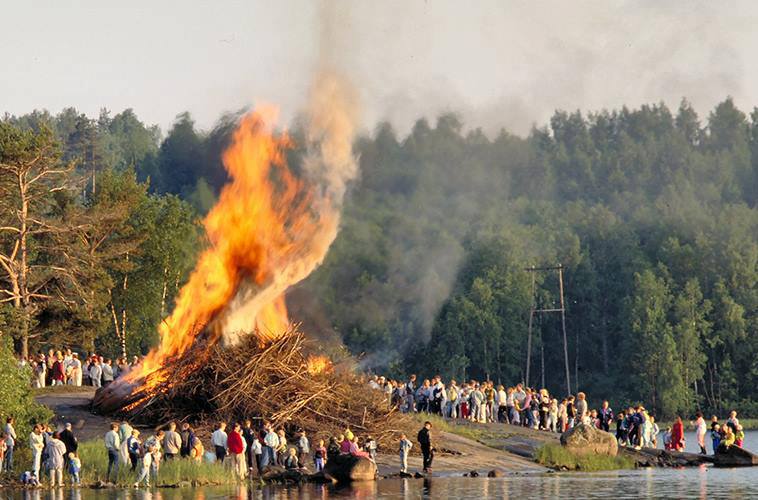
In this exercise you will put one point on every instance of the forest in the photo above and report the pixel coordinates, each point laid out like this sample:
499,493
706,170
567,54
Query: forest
652,213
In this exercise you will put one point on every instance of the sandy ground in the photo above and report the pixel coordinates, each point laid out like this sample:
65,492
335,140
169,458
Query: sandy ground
73,405
467,455
457,454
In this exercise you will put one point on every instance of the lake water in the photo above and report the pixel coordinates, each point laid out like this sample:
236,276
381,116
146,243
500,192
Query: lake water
701,483
697,482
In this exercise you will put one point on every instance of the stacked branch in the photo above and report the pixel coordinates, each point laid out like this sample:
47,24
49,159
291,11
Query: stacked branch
270,382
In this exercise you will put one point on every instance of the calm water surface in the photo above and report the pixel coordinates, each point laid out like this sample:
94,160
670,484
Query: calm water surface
700,482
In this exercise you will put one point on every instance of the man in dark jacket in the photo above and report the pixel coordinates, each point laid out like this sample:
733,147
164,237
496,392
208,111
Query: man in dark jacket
427,450
249,435
69,440
188,437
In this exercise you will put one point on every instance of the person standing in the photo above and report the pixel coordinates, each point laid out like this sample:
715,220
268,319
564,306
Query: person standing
188,438
74,468
96,372
146,464
154,444
303,448
581,408
271,443
134,445
424,439
76,369
677,434
606,417
37,445
235,445
69,440
319,456
56,452
255,452
113,447
700,430
10,443
219,440
405,449
107,369
172,442
248,433
59,372
410,394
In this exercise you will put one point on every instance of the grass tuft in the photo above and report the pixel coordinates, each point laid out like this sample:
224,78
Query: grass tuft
556,456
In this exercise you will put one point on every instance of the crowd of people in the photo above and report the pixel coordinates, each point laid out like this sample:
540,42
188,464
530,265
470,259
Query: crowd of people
65,367
519,405
52,451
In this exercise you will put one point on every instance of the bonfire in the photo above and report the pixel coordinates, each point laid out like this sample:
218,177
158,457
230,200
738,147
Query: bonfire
229,349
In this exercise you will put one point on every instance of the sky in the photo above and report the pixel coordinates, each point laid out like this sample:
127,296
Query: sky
498,63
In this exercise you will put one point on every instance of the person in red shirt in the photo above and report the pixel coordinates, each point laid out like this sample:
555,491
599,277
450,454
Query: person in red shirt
235,446
677,435
59,373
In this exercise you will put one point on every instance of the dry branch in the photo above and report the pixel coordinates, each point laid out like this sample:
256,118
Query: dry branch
270,383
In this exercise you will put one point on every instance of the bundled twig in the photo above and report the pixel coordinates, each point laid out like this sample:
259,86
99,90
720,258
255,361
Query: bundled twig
271,382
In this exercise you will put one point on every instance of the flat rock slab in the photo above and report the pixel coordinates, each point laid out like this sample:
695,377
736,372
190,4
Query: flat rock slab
734,456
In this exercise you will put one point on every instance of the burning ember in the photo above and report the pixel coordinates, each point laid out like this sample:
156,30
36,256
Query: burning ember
269,230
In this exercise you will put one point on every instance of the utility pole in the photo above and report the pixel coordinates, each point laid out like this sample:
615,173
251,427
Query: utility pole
533,310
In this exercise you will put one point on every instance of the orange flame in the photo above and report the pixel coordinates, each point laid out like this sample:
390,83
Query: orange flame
269,229
318,364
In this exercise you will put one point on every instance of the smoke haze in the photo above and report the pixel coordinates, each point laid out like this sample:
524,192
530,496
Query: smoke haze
498,63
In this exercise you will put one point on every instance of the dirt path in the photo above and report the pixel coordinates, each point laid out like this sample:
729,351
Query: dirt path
73,405
467,455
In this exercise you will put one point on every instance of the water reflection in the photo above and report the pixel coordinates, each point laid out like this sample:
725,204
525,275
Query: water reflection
699,482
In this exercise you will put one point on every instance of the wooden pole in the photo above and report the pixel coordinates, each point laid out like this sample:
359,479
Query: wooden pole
563,324
529,332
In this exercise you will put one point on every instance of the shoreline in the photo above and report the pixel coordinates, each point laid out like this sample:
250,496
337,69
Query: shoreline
465,449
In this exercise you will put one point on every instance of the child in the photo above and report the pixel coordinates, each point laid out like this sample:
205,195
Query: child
134,447
29,479
371,448
319,456
715,436
146,465
197,451
291,461
405,449
739,436
667,439
74,466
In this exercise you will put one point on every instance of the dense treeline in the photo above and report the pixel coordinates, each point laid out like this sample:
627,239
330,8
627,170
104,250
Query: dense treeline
89,258
652,213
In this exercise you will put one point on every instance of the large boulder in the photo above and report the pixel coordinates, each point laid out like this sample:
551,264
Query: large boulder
585,439
734,456
348,469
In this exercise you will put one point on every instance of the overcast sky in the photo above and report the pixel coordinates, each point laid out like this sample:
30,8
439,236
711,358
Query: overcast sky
498,63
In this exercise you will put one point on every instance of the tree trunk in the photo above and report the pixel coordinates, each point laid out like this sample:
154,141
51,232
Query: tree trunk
23,277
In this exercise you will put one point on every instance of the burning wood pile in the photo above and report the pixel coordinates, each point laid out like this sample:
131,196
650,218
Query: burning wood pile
277,382
228,350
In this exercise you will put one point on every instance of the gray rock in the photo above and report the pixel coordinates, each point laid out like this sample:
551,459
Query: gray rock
588,440
348,469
